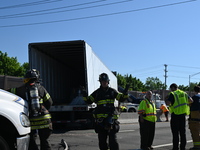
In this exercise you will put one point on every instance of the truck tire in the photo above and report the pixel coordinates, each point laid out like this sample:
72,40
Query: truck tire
131,110
3,144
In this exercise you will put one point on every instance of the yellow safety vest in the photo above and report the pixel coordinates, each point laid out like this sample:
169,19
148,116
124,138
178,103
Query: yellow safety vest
148,109
180,105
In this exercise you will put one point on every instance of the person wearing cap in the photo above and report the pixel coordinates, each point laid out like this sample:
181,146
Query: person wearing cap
105,114
178,102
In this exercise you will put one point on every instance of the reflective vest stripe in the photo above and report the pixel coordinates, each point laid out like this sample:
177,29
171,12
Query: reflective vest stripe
197,143
151,114
107,101
91,98
47,116
105,116
46,97
180,105
148,109
141,111
40,127
43,122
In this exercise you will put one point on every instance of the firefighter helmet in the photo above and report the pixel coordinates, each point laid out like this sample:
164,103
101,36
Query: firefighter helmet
103,77
31,74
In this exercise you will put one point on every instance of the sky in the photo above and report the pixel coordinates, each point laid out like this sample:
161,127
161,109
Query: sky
142,38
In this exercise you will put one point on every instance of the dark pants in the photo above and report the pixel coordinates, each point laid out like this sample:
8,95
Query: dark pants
110,135
103,135
147,132
166,115
43,135
178,123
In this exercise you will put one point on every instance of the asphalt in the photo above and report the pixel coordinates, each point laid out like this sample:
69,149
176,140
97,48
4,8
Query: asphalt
131,118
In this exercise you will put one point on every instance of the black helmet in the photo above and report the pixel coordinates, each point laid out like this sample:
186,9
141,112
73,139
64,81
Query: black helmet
103,77
31,74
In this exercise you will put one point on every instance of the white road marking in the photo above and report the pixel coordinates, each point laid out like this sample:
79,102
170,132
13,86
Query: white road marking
126,130
163,145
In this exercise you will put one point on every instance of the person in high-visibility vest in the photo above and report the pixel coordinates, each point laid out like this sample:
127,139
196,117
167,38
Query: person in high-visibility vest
147,121
165,110
194,119
178,102
39,102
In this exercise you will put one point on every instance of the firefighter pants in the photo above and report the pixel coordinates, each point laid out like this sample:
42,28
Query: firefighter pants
194,127
147,132
178,123
110,135
43,135
103,135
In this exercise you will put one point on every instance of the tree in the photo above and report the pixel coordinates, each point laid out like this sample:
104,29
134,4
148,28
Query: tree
135,84
10,66
154,84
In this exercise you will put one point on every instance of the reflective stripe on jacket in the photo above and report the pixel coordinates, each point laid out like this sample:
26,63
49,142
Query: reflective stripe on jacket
43,120
105,100
148,110
40,122
180,105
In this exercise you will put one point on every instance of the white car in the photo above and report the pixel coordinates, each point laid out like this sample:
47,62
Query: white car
132,107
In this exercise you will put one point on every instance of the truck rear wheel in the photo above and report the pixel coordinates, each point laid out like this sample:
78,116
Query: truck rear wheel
3,144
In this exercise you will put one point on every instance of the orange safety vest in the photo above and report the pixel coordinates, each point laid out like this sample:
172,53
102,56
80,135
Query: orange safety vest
164,108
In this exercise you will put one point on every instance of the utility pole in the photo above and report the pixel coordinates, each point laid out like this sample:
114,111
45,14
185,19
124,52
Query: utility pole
165,75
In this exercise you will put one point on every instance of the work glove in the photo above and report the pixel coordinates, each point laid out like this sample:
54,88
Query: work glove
125,92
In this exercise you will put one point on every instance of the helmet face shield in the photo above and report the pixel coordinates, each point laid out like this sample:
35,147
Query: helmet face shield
31,75
26,80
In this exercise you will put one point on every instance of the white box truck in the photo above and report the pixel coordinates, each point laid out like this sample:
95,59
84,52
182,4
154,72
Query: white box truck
15,125
64,67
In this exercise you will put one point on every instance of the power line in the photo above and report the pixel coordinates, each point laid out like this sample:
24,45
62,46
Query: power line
95,16
148,73
29,4
177,71
28,14
184,66
144,69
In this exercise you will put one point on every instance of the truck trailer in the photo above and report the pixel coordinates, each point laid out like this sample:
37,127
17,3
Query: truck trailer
65,67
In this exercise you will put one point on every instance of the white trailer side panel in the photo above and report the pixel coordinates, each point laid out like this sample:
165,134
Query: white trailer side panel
94,68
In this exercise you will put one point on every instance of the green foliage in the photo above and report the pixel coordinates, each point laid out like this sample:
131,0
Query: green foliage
192,85
154,84
137,85
10,66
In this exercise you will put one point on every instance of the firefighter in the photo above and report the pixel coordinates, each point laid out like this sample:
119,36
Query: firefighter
147,122
39,103
194,119
105,114
178,106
